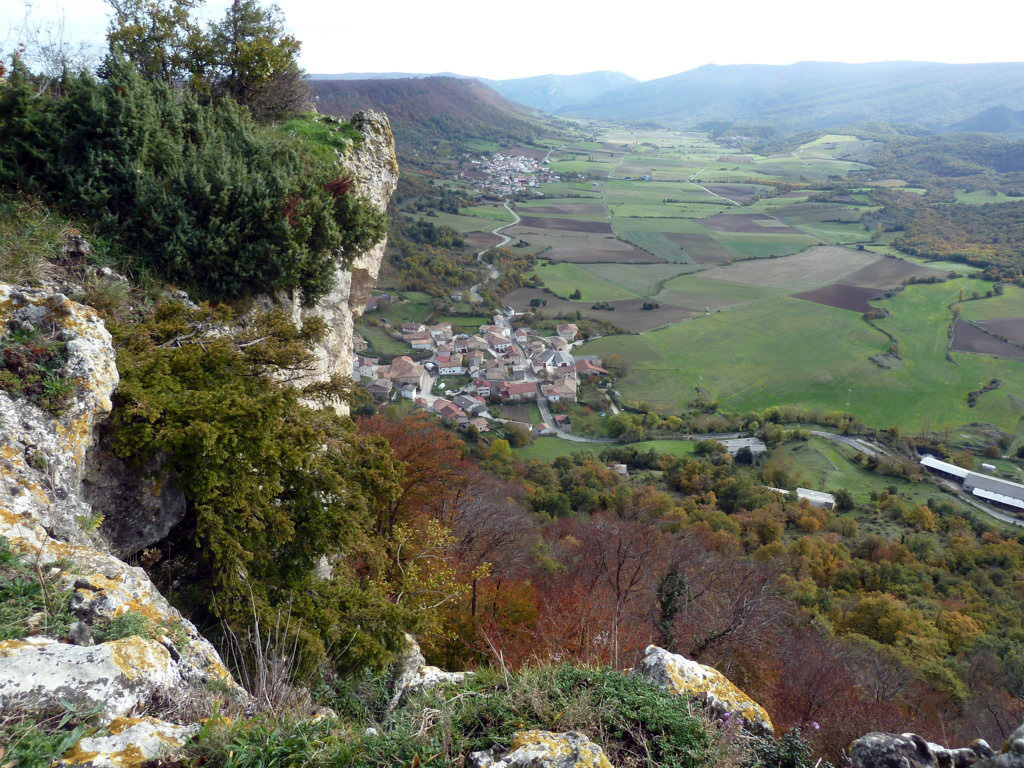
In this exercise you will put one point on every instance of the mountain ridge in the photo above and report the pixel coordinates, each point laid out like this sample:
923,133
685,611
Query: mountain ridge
813,95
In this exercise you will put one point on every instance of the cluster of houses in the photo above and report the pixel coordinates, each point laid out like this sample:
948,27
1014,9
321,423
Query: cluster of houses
508,174
502,364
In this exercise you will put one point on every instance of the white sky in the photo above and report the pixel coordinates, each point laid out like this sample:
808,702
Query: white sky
644,38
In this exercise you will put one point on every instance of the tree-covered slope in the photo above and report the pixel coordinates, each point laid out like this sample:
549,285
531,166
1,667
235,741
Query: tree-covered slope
429,113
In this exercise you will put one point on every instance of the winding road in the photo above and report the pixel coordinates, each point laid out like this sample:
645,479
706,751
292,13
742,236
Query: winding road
492,271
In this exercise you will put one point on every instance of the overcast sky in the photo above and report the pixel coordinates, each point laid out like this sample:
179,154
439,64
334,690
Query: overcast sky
645,39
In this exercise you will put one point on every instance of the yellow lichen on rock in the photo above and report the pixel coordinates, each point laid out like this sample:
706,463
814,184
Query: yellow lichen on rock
136,657
693,680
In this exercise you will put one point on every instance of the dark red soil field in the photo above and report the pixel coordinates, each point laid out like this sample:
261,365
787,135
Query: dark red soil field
568,225
967,338
1011,328
579,209
745,223
842,296
703,249
888,273
592,256
481,239
629,313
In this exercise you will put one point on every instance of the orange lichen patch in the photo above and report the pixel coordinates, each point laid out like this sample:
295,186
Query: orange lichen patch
10,518
134,656
122,724
76,436
11,647
585,755
78,755
101,582
8,451
131,756
36,490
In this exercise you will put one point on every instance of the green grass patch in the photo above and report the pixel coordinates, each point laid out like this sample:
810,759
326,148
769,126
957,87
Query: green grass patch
758,246
723,289
497,212
564,278
787,351
1010,304
381,341
655,243
983,196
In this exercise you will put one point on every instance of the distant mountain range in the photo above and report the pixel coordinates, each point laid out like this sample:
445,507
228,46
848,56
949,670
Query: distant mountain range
816,95
792,98
432,115
558,93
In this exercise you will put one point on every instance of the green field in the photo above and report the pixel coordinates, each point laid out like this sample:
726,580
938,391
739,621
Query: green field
1010,304
550,448
497,212
655,243
563,279
606,282
982,196
787,351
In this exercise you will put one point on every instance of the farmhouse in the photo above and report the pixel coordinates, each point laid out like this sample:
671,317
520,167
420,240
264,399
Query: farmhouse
587,368
405,371
380,388
496,342
517,391
567,331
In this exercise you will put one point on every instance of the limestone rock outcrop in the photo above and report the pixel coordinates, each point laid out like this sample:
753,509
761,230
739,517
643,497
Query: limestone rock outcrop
113,678
704,684
543,749
410,674
908,750
132,742
374,168
47,524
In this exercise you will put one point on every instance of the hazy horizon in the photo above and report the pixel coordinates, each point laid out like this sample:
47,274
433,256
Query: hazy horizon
647,41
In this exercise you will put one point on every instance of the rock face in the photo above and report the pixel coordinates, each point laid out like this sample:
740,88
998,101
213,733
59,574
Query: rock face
704,684
908,750
41,458
46,522
115,677
411,674
374,168
543,749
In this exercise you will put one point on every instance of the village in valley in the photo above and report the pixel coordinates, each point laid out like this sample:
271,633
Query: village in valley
499,365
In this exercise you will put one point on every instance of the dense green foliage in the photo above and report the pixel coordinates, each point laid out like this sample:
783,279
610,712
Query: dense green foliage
272,486
990,236
198,195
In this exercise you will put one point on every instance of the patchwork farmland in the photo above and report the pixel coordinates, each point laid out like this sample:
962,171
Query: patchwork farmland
735,275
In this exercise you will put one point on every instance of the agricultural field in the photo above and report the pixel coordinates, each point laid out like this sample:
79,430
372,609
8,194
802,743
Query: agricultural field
756,272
